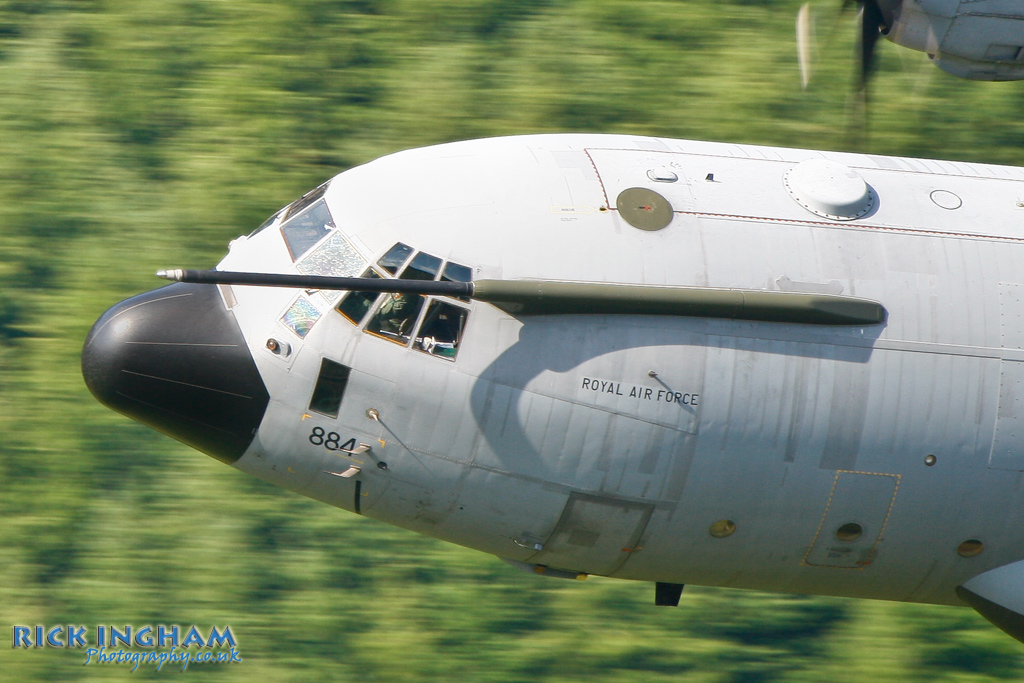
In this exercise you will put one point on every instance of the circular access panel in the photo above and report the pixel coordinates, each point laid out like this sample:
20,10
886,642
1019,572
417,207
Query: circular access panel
722,528
644,209
849,532
947,200
971,548
830,189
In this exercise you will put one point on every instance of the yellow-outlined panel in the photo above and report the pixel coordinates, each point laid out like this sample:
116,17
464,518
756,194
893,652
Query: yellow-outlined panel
850,500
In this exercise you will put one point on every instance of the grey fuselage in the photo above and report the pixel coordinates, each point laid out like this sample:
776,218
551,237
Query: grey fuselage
668,448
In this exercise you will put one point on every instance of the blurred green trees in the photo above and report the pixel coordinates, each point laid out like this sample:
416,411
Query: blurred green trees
137,134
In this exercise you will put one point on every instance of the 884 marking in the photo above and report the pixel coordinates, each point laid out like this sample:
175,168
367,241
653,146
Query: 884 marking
330,440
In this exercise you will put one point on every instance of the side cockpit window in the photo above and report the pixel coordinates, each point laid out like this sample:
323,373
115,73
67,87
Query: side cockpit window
429,323
395,257
356,305
423,267
453,272
396,317
441,330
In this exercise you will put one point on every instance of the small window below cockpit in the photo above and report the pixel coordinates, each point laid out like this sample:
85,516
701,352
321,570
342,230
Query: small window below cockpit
441,330
330,388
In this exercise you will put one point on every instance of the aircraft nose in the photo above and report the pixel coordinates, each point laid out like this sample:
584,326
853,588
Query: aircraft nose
175,360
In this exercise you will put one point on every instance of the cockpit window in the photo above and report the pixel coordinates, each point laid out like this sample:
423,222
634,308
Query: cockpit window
270,221
357,304
396,317
301,231
453,272
300,317
441,330
334,256
395,257
305,200
423,267
294,208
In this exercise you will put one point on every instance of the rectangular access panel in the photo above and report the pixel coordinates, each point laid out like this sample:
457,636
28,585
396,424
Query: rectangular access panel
594,535
854,520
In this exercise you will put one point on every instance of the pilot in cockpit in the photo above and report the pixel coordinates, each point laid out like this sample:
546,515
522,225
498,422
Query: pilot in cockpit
397,314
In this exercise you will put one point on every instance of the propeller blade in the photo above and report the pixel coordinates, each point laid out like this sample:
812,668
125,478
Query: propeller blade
872,23
803,43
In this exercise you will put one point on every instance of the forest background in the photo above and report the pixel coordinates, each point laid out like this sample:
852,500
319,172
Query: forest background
141,134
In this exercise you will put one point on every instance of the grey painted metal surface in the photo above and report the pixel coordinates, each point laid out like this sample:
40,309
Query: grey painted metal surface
613,443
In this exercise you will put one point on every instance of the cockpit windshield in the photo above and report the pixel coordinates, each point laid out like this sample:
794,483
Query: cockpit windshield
303,223
305,200
356,305
430,324
395,257
303,230
423,267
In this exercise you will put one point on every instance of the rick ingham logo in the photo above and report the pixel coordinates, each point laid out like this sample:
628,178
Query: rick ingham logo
159,646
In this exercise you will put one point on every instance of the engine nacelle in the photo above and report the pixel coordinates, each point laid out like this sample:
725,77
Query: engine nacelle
998,595
978,40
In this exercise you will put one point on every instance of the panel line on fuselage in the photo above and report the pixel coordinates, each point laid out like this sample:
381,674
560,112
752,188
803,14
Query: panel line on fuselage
853,226
550,483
